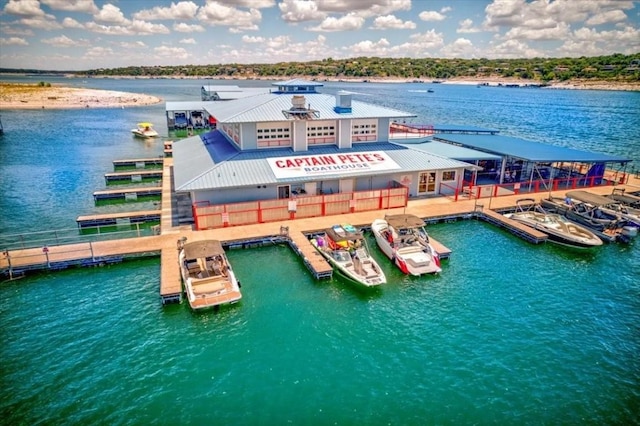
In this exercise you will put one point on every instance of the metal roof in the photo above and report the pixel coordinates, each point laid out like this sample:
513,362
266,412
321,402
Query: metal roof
297,82
199,166
270,107
450,151
186,105
527,150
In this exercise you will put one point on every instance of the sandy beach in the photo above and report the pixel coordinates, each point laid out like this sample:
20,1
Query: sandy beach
30,96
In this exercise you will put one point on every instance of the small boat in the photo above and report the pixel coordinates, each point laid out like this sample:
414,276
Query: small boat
559,229
630,200
589,210
207,276
403,239
345,248
144,130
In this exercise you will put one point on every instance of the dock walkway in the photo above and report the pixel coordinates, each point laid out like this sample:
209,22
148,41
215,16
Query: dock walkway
294,232
138,163
127,193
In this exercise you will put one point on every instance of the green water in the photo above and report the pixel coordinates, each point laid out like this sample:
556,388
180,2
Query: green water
528,335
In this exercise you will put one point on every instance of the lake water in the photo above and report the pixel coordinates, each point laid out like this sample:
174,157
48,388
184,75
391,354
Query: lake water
508,333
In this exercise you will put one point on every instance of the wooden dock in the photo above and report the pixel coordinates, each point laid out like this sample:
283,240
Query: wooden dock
127,193
125,218
168,148
530,234
132,176
293,232
138,163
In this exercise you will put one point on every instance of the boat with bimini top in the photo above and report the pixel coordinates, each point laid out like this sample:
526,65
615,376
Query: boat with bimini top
145,130
345,248
559,229
208,278
404,240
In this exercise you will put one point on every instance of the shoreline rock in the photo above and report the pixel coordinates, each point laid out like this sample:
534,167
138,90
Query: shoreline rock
29,96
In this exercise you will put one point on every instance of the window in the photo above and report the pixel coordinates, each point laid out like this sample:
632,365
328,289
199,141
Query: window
449,175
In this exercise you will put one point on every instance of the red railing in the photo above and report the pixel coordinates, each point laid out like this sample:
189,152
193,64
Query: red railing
208,216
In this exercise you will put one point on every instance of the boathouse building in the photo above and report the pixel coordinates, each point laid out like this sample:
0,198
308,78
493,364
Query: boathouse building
295,151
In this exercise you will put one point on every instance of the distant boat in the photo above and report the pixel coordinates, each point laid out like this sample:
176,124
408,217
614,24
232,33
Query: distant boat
144,130
429,90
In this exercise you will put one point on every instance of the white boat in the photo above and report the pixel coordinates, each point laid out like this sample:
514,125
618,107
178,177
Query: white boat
403,239
144,130
346,250
559,229
207,276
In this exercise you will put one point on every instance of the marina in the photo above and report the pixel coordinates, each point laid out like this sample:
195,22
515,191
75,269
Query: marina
508,331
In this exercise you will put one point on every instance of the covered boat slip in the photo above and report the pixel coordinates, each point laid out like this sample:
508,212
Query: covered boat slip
527,162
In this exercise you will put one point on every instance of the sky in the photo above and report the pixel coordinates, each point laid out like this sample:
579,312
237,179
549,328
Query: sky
80,35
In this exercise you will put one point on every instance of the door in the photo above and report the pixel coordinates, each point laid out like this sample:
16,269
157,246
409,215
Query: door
427,183
284,191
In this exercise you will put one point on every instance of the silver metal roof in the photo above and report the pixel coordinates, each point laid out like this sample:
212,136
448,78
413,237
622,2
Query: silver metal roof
195,168
269,107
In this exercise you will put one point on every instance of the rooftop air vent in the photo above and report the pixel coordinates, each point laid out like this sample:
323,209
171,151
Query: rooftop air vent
299,111
343,102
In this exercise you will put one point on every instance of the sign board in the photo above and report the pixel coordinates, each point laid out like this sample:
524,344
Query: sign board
331,164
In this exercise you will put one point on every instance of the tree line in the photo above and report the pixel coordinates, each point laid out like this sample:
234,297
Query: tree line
616,67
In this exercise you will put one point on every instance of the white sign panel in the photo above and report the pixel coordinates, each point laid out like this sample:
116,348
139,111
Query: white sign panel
330,164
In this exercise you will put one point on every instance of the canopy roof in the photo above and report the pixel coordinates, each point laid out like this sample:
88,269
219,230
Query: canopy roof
589,198
527,150
201,249
400,221
339,233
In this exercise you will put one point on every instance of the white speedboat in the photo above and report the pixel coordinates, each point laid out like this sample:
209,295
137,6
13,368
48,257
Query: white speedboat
207,276
346,250
144,130
403,239
559,229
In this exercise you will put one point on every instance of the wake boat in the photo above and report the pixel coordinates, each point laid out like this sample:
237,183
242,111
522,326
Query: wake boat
559,229
144,130
346,250
207,276
403,239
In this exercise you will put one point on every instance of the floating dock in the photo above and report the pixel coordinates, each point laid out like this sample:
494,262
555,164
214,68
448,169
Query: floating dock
530,234
126,218
138,163
127,193
132,176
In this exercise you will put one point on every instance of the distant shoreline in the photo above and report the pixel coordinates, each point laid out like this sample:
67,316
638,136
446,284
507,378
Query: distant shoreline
33,96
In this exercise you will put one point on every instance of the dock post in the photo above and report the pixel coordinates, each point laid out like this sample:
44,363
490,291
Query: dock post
45,250
6,254
93,259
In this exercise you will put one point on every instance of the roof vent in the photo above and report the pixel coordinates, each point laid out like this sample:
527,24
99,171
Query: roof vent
298,111
343,102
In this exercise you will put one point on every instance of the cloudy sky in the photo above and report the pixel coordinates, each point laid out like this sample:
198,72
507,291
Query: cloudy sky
89,34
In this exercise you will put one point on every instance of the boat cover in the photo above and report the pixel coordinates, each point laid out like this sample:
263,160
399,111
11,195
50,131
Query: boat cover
339,233
400,221
201,249
589,198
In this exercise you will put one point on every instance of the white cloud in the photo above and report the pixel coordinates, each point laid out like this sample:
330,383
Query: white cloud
188,41
611,16
110,14
64,41
132,45
181,10
466,27
368,48
513,49
428,40
41,23
71,23
182,27
16,31
548,31
349,22
24,8
87,6
13,41
214,13
99,52
300,11
171,52
431,16
144,28
391,22
461,47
